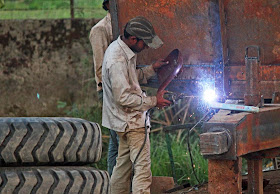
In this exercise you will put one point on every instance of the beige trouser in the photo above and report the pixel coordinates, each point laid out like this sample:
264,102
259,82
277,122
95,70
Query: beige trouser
130,143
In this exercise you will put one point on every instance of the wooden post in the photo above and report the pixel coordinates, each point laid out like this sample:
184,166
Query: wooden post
224,176
114,20
72,9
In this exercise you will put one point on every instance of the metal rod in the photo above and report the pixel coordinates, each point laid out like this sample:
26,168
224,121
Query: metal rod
272,105
237,107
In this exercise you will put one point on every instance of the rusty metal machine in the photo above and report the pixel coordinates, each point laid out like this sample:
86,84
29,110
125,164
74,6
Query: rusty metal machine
234,47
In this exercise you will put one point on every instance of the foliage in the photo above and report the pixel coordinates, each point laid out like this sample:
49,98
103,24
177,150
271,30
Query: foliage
2,3
183,170
184,111
51,9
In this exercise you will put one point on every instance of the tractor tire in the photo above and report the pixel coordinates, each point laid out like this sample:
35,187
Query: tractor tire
48,141
55,180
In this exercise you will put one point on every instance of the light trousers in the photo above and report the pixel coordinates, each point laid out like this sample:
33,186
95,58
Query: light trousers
130,143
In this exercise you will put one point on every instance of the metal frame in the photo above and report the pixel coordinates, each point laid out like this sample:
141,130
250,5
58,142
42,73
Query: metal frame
226,27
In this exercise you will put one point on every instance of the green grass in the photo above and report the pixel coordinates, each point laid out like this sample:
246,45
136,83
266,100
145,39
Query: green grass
41,9
161,164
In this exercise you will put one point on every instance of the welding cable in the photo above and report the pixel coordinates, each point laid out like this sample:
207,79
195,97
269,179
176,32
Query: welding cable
191,158
142,147
189,146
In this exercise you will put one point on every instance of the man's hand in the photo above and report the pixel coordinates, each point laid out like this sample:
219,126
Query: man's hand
161,102
159,63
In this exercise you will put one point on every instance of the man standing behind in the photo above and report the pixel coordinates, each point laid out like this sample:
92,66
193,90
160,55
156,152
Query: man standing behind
125,104
100,38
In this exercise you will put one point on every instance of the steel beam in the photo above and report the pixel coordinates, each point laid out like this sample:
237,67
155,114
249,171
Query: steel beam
255,176
250,132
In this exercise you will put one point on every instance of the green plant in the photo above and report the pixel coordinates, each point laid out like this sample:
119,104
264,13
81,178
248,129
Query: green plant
51,9
182,112
2,3
183,170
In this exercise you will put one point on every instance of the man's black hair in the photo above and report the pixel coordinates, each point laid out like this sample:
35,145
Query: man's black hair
127,35
104,5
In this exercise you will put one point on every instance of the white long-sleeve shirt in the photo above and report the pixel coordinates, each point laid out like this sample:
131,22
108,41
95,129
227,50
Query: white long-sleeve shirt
124,103
100,38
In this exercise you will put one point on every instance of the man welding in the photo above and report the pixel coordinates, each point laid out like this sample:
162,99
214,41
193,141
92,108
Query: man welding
125,104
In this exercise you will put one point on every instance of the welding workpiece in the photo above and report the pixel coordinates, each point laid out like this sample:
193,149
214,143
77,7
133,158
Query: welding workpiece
168,72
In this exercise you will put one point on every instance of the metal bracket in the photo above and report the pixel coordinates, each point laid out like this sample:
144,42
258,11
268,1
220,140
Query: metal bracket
247,50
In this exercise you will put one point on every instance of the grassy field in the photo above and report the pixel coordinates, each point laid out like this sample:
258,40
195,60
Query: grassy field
41,9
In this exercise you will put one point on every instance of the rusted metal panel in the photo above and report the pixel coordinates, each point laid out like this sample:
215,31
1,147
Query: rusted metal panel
192,26
253,23
192,79
216,33
180,24
224,120
237,89
250,132
228,173
235,77
259,131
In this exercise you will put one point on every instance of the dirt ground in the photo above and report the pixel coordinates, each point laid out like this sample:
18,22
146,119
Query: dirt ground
272,188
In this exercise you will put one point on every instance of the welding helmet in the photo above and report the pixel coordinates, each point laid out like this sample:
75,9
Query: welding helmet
104,6
144,30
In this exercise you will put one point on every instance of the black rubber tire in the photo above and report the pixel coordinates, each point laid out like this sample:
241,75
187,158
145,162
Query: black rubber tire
48,141
56,180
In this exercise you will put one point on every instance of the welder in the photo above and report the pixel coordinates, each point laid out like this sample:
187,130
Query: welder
125,104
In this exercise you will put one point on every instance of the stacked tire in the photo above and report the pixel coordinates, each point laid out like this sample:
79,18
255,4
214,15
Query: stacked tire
49,155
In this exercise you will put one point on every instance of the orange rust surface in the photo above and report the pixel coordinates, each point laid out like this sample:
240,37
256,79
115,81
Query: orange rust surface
186,25
268,72
236,76
180,24
253,22
224,176
258,131
261,9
